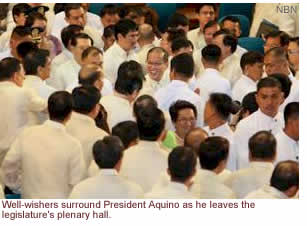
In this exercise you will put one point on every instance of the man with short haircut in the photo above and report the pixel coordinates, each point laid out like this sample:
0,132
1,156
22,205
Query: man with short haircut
262,154
178,21
232,24
67,73
182,69
37,68
145,42
19,34
126,35
230,66
156,63
75,14
268,97
45,161
213,154
272,40
211,80
107,184
252,67
288,138
17,102
19,13
108,37
181,168
284,183
144,162
109,15
206,12
127,87
275,61
169,36
82,124
194,138
66,54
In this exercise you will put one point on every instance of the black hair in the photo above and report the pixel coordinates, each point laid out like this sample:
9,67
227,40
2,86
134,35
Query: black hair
262,145
277,52
89,50
179,43
109,31
211,23
249,103
151,123
250,58
211,53
90,79
228,39
124,26
174,33
9,66
108,152
32,17
177,19
223,104
75,37
233,19
20,8
268,82
285,175
179,105
200,6
71,6
35,59
21,31
85,98
60,105
26,47
129,77
127,131
295,39
291,111
285,82
183,64
212,151
181,163
68,32
143,103
110,9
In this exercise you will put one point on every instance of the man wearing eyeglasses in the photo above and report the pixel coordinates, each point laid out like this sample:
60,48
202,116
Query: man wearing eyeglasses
206,12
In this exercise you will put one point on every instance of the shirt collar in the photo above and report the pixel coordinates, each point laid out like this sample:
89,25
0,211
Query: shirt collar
267,165
84,118
219,130
8,83
178,186
178,83
248,80
121,99
34,78
67,53
55,124
207,173
275,192
211,71
268,118
121,51
108,172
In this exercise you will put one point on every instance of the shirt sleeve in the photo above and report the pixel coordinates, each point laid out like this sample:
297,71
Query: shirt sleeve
36,103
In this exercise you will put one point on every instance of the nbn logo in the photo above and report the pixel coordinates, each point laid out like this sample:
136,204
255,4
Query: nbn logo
286,9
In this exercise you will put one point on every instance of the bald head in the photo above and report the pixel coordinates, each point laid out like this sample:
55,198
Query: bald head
194,138
146,34
91,74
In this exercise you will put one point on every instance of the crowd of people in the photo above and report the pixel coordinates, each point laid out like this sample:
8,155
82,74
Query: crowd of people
108,106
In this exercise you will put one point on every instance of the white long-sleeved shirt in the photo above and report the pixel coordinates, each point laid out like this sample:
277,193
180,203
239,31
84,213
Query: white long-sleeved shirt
246,128
150,86
65,75
242,87
16,104
266,192
212,81
230,68
197,38
113,58
287,148
250,179
84,129
118,109
179,90
209,186
171,191
45,161
143,164
62,58
106,185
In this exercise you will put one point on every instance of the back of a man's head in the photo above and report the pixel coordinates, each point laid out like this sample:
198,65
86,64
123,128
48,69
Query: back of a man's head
20,32
183,65
124,26
108,152
194,138
211,54
68,32
285,176
151,123
89,74
291,111
181,43
285,82
127,131
129,78
24,48
262,146
8,67
146,33
181,164
85,99
35,59
60,105
212,152
142,103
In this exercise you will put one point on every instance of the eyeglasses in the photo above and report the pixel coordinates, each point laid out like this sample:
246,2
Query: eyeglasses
186,120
